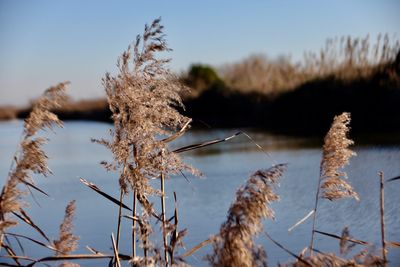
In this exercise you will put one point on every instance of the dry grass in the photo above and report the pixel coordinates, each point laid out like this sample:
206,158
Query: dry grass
30,158
344,58
234,245
335,155
143,98
67,242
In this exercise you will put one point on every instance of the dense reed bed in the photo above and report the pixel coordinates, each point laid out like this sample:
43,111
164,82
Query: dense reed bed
144,98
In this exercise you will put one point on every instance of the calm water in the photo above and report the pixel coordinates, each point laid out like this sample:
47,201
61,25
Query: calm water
203,202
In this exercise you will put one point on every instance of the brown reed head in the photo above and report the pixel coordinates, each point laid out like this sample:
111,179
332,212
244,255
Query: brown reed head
30,158
234,245
67,242
41,116
335,156
143,98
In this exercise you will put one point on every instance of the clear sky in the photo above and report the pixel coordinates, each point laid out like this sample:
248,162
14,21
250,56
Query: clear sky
43,42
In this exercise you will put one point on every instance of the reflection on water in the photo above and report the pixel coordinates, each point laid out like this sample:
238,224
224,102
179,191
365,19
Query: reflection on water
203,202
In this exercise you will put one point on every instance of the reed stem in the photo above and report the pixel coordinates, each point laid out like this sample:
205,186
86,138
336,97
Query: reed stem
382,209
163,219
119,219
315,215
134,225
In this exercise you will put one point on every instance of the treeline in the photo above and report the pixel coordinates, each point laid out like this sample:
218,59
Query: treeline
347,75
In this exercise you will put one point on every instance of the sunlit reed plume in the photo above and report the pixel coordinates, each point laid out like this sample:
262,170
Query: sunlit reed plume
143,98
30,158
234,246
332,182
336,155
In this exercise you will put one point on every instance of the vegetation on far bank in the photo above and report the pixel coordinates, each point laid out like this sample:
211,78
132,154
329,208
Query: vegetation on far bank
348,74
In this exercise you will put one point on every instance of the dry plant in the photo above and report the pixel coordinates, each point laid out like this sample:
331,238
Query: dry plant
364,259
234,245
30,158
67,242
143,98
332,182
343,57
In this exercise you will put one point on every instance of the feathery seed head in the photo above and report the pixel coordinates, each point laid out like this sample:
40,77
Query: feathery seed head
67,242
234,246
336,155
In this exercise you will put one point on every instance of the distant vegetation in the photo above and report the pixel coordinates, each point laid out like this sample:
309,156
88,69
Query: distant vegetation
344,58
348,74
300,98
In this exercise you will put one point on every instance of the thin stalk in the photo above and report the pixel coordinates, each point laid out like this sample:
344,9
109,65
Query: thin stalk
119,219
134,226
135,152
315,214
382,208
163,218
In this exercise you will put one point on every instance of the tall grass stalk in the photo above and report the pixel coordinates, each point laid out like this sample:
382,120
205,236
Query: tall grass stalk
143,98
335,155
382,216
30,158
163,216
234,245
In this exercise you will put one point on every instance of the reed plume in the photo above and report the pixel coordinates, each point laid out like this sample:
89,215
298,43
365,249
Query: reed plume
335,155
67,242
234,245
30,158
143,98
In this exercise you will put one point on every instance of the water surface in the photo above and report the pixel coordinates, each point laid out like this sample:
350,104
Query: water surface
203,202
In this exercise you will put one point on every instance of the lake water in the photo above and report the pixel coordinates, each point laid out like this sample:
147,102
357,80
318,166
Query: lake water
203,202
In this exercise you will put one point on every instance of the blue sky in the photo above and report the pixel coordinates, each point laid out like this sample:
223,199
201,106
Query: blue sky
43,42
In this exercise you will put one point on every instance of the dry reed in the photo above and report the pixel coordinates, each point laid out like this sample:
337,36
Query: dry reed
335,155
143,98
67,242
30,158
341,57
234,245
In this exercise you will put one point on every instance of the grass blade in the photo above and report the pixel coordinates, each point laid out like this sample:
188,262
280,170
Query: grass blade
356,241
17,257
393,179
178,134
393,244
25,218
197,247
204,144
288,251
96,189
78,257
115,249
10,251
34,241
302,220
94,251
35,187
